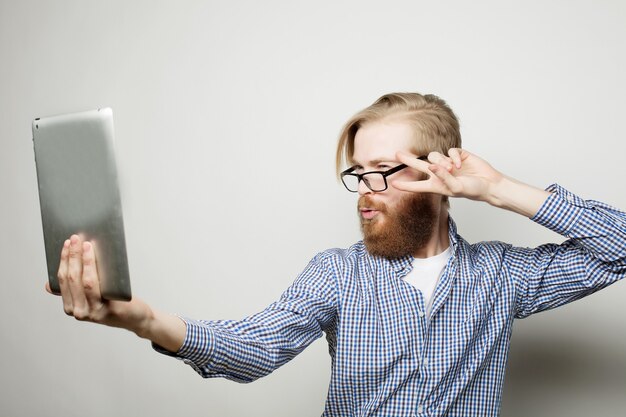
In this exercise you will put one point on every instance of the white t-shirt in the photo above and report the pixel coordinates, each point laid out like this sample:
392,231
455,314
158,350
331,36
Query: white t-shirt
426,273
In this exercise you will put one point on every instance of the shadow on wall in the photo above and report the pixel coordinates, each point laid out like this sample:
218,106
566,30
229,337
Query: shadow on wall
564,376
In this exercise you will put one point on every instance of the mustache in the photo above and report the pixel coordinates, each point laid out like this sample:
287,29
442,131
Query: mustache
367,202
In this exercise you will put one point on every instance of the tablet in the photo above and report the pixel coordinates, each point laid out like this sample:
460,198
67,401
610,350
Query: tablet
79,194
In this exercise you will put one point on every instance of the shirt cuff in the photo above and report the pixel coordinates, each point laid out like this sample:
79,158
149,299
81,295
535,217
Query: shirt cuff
198,346
560,211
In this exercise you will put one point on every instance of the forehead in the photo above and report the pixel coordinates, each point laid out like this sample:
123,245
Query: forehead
379,141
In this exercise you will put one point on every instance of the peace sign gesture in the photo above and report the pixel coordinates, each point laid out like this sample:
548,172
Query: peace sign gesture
463,174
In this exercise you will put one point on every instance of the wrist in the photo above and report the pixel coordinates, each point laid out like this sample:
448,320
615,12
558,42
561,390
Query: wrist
511,194
144,321
165,330
498,191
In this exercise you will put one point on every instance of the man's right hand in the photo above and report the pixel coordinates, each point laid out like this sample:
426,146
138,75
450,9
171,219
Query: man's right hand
80,291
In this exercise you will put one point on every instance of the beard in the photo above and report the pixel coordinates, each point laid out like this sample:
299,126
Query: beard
401,230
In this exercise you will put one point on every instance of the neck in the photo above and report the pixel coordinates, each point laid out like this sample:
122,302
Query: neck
439,241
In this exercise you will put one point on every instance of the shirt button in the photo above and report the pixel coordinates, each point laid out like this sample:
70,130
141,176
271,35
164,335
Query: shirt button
420,408
420,314
425,362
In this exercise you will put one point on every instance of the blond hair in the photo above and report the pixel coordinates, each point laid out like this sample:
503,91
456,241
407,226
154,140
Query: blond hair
436,127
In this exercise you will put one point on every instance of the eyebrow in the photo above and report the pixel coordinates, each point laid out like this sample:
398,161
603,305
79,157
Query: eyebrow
375,162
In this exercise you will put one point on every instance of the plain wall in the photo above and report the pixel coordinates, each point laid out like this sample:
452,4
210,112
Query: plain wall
226,117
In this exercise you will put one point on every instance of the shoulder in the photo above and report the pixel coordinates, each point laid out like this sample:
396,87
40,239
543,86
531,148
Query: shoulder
485,254
474,252
332,268
342,256
481,249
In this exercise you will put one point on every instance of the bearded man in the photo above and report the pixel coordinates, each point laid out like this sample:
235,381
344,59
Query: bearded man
418,321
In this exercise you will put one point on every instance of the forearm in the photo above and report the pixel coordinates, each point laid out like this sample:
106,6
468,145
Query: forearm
516,196
245,350
165,330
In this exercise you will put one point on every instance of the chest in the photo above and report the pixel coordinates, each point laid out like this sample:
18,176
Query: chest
384,327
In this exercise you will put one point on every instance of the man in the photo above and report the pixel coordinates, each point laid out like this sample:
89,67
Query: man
418,321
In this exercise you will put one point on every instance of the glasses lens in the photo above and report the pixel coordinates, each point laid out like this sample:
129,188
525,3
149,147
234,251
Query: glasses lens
351,182
375,181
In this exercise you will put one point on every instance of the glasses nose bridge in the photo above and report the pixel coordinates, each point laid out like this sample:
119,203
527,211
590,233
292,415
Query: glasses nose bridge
362,185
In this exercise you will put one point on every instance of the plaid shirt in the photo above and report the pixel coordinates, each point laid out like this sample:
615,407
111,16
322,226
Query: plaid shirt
392,358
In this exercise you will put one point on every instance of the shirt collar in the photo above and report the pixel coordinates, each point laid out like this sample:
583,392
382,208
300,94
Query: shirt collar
453,235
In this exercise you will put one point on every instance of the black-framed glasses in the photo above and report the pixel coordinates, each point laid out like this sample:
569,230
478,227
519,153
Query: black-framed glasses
374,180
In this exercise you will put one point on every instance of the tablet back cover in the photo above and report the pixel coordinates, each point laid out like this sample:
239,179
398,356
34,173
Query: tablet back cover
79,193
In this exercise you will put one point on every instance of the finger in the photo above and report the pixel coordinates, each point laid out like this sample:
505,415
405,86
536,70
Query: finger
449,181
413,162
414,186
62,277
91,282
441,160
75,277
455,155
48,289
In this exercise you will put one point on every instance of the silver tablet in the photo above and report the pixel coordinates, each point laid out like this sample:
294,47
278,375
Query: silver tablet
79,193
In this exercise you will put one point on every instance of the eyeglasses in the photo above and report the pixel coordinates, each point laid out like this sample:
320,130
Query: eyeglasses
374,180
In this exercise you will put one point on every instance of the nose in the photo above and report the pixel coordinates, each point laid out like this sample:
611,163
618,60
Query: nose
363,189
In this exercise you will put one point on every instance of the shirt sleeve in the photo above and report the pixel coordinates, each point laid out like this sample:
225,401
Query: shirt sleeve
593,256
248,349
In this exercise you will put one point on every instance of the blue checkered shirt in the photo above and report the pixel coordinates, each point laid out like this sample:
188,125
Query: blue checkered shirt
392,358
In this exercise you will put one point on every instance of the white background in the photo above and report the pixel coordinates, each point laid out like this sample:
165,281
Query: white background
226,116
